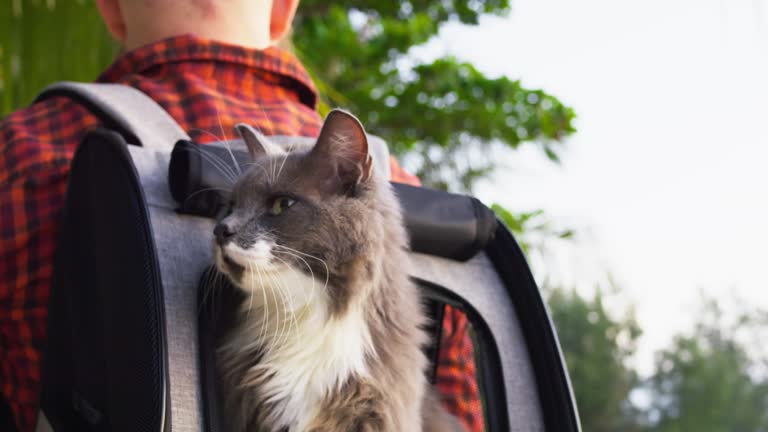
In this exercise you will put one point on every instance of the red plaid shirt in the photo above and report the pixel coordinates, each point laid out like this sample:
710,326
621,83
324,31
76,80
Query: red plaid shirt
207,87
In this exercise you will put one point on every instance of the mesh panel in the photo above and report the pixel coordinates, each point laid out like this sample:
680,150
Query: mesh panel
109,336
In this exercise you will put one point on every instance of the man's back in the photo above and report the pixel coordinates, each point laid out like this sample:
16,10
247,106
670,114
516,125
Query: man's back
206,86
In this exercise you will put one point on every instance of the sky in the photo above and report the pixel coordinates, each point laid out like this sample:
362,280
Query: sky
665,181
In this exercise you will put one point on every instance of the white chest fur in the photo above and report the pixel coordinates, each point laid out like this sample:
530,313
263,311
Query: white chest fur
307,353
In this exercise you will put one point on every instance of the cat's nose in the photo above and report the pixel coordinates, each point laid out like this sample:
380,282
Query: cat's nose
223,233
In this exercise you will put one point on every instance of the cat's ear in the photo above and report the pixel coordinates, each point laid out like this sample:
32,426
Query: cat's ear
258,145
343,143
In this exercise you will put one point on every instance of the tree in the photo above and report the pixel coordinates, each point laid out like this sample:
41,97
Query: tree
445,113
709,380
596,347
46,41
532,229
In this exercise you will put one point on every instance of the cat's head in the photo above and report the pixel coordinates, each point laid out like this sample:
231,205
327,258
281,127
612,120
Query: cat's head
304,215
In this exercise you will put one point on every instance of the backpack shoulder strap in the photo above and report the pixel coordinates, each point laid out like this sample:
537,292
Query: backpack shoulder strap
133,114
140,120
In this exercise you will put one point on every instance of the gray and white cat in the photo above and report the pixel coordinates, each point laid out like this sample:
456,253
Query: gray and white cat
329,335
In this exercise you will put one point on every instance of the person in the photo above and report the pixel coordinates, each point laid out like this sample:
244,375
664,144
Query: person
211,64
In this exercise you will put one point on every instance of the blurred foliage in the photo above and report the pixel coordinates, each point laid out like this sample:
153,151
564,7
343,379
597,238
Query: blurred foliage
441,111
43,41
532,230
714,379
597,347
708,381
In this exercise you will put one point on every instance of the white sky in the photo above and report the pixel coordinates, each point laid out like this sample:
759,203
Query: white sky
666,179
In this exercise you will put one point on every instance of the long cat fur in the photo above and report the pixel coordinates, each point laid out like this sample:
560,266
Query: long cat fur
330,333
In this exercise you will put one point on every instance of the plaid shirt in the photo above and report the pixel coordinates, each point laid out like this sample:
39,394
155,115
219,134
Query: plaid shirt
207,87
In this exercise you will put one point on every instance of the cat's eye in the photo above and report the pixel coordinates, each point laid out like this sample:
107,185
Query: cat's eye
280,204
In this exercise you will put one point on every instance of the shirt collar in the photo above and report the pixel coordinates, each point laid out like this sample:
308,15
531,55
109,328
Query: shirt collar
192,48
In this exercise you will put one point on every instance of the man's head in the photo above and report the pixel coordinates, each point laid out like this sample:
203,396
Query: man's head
250,23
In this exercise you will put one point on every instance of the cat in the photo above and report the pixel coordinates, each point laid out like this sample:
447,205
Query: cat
329,334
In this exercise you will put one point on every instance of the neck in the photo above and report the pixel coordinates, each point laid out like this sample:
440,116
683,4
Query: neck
245,24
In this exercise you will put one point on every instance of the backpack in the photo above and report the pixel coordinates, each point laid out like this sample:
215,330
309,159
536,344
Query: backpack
130,337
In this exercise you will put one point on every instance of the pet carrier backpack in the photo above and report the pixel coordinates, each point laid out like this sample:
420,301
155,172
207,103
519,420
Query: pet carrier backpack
129,345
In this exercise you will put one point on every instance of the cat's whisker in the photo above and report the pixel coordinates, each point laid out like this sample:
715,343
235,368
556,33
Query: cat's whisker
205,190
273,166
222,164
272,132
250,267
257,165
311,272
287,264
265,316
290,149
215,278
248,164
294,253
295,250
226,141
214,281
292,320
286,249
208,287
216,137
269,120
287,307
290,249
234,161
281,330
268,343
217,162
278,291
218,117
219,279
272,341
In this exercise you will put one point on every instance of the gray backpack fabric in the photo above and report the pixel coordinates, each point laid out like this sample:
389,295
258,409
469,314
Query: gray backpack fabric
124,349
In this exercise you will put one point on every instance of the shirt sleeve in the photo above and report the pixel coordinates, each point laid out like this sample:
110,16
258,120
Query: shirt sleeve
399,175
33,175
29,204
457,372
456,369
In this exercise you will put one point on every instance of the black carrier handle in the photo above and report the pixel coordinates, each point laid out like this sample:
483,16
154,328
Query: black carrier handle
438,223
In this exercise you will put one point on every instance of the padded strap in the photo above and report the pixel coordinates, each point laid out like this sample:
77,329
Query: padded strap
134,115
140,120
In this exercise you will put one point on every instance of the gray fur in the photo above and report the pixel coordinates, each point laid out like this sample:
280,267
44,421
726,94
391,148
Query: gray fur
258,145
350,220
